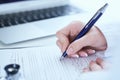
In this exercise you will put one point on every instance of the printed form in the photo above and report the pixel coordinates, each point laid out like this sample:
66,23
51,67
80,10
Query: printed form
43,63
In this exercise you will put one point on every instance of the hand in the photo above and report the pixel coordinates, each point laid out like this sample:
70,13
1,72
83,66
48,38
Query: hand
86,45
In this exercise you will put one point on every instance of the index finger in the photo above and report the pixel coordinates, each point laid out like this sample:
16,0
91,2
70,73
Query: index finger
67,34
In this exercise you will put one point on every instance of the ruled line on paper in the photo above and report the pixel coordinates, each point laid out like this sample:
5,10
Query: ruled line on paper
43,63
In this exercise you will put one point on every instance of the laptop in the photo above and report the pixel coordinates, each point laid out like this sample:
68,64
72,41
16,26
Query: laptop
23,20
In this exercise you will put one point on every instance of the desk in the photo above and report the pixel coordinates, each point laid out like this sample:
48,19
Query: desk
111,21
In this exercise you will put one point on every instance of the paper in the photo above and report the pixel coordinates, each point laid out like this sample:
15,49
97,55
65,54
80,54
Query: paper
43,63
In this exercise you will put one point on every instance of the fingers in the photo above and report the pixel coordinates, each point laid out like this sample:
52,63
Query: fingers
90,51
74,56
79,47
62,42
67,34
94,38
84,41
86,52
83,53
76,46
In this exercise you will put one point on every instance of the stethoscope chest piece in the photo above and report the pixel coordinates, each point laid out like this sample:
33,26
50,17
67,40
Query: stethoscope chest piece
12,71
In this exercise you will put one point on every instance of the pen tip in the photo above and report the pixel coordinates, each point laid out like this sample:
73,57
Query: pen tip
106,5
102,9
61,58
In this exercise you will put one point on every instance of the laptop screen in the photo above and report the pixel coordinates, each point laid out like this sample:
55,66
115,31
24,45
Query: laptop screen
9,1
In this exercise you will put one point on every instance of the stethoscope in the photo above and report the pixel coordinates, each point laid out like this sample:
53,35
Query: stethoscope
12,72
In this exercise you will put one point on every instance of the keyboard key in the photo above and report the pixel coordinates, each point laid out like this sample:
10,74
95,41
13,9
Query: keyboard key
35,15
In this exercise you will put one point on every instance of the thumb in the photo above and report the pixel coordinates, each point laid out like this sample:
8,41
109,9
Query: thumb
77,45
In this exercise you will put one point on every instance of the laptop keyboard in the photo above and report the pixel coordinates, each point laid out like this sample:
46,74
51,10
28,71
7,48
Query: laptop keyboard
7,20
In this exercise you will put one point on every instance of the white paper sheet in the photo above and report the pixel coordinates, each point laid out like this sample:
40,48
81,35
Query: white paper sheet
43,63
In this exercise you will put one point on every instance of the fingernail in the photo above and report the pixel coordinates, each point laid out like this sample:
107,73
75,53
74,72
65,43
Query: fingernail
75,56
70,51
91,51
84,55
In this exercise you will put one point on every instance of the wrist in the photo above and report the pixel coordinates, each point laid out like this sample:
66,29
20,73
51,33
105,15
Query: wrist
103,37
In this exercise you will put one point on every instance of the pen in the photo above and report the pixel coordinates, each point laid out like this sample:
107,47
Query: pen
88,26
